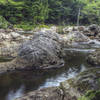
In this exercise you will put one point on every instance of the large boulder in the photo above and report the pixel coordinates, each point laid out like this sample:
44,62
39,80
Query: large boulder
43,51
94,58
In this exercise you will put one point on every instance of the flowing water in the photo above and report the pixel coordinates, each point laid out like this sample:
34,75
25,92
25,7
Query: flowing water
15,84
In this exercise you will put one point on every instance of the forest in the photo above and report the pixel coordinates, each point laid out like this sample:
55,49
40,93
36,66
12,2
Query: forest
29,13
49,49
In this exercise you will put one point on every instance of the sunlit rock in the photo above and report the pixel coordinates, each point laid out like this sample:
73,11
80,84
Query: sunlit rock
94,58
43,51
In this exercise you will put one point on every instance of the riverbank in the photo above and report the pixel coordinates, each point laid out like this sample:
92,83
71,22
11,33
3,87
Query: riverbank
72,89
46,49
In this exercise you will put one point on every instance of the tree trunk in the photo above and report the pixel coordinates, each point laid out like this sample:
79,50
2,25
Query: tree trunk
78,17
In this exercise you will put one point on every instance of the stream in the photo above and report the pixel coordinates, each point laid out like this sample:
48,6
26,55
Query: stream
15,84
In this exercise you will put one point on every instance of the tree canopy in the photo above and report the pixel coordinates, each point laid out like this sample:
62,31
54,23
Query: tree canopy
50,11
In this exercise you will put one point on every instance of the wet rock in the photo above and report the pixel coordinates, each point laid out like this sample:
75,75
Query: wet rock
82,83
52,93
94,58
71,89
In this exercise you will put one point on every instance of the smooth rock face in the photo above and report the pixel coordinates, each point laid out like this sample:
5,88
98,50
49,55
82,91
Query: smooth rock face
94,58
43,51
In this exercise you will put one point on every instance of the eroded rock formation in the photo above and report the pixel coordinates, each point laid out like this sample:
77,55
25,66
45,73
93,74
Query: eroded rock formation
72,89
43,51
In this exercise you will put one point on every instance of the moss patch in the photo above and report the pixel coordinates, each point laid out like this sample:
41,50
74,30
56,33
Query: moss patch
3,23
91,95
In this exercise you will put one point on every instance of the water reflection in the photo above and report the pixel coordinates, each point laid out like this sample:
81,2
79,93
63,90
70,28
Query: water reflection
15,84
15,94
55,81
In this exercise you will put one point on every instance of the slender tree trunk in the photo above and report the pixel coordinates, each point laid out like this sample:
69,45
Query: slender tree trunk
78,17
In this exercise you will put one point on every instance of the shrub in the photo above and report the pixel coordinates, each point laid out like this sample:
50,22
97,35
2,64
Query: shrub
3,23
25,26
91,95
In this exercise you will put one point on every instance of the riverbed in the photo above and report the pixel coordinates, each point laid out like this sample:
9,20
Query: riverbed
15,84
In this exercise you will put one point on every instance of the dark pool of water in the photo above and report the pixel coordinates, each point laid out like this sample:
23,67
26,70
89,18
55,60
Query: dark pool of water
13,85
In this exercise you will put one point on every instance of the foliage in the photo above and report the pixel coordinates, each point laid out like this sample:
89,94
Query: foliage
3,22
91,95
59,12
43,26
91,12
25,26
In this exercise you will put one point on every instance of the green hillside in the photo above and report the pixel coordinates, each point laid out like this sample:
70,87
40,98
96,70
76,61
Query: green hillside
34,12
13,2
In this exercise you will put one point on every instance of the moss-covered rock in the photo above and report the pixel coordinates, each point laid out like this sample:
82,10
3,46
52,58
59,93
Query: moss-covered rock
85,81
86,86
91,95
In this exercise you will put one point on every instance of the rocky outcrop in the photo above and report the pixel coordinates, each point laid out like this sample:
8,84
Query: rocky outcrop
53,93
10,41
94,58
44,51
44,48
87,82
12,36
84,82
76,36
92,31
